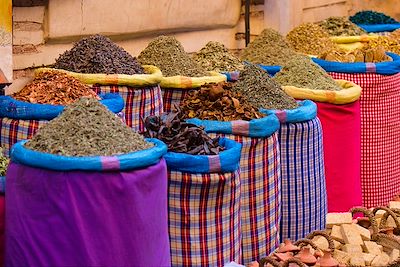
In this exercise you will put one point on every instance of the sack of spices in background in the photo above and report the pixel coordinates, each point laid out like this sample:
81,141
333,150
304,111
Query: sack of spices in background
379,103
268,48
372,17
259,172
340,26
97,61
309,39
304,188
303,73
372,21
40,101
218,102
98,54
365,54
181,72
214,56
180,136
87,160
261,90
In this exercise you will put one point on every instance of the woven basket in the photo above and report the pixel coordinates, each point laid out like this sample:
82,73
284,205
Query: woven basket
386,241
394,213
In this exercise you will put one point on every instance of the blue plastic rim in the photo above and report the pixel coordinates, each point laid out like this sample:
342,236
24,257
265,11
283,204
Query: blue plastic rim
20,110
306,111
135,160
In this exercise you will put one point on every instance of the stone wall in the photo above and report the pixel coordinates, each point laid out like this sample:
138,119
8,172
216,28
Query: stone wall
43,32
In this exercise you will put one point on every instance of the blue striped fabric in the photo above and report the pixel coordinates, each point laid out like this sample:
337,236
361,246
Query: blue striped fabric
304,200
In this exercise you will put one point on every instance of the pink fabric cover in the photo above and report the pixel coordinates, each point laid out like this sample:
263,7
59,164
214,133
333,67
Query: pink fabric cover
341,126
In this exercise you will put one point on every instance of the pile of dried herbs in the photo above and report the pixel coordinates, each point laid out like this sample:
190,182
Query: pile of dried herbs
341,26
389,43
98,54
310,39
170,57
218,102
261,90
365,54
180,136
303,73
372,17
269,48
54,87
87,128
3,163
216,57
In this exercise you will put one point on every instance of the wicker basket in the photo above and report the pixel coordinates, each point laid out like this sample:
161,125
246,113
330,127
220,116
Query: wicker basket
388,242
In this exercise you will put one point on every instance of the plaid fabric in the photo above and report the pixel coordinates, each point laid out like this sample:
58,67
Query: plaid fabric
139,102
260,177
380,139
172,96
204,218
304,200
12,131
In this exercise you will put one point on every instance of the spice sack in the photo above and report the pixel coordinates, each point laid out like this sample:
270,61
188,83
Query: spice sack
380,124
204,207
260,178
68,211
303,187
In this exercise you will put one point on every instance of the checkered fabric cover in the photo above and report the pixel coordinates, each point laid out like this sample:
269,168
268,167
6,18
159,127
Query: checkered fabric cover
12,131
172,96
380,138
204,218
260,177
304,200
139,102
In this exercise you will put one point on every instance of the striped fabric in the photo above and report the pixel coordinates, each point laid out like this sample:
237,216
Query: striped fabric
260,202
204,218
139,102
304,200
380,139
13,131
172,96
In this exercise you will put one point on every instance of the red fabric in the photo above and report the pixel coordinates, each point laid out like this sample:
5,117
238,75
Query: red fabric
380,138
341,125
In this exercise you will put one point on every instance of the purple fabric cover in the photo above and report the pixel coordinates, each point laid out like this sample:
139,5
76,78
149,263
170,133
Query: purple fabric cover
81,218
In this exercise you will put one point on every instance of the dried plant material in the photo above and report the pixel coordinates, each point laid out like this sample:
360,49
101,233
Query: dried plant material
269,48
389,43
98,54
216,57
87,128
371,17
170,57
3,163
180,136
365,54
55,88
303,73
341,26
310,39
261,91
218,102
